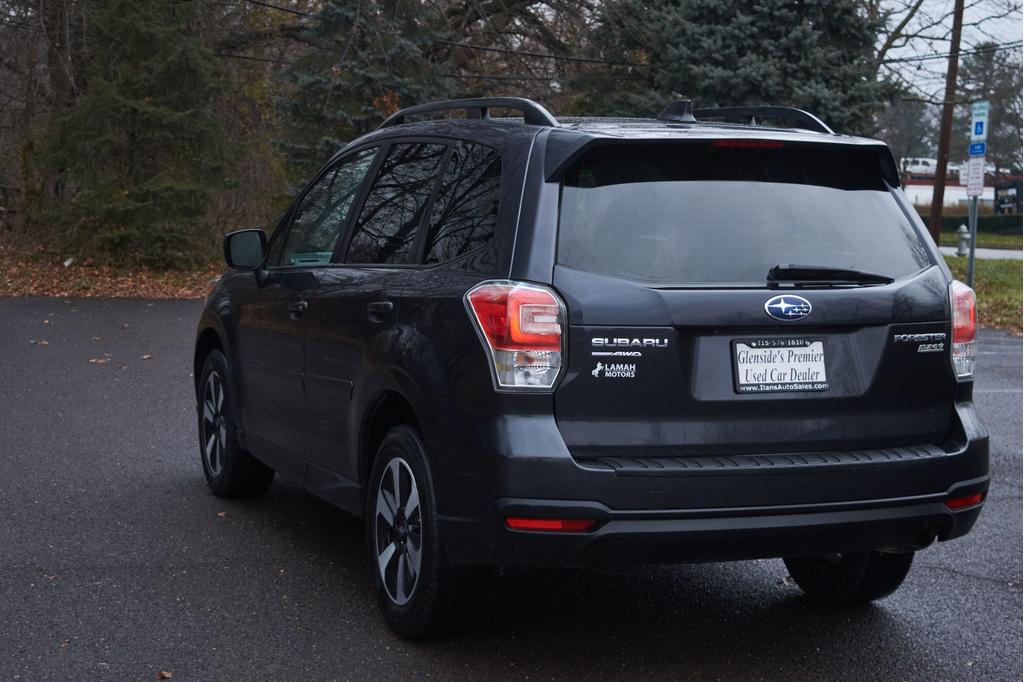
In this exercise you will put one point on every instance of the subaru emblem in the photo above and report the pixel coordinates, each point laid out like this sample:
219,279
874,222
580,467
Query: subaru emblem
787,307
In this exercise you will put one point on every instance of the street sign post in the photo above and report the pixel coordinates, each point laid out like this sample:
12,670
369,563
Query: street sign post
979,121
976,175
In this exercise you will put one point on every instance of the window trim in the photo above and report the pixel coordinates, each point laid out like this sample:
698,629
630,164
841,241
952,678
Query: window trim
288,220
415,257
501,174
383,145
418,262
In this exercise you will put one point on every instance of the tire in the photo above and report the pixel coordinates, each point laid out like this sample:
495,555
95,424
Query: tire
850,578
438,598
230,471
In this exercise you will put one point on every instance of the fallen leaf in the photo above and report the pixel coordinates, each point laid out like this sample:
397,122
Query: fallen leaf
46,322
164,675
65,643
40,343
37,272
220,513
147,356
99,361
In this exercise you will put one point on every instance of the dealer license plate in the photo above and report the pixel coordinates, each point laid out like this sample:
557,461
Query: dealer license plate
779,365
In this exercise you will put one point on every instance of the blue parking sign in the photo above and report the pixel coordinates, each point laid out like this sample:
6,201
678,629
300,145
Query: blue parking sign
979,127
976,149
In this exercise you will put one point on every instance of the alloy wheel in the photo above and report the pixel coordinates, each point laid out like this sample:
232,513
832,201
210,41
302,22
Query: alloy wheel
398,531
214,424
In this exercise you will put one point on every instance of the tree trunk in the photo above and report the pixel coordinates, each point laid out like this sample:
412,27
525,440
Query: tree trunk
939,193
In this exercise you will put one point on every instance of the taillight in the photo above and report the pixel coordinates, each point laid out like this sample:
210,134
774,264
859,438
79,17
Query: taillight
963,307
521,326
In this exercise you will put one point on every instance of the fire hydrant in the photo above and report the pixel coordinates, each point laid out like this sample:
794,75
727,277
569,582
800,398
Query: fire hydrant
963,243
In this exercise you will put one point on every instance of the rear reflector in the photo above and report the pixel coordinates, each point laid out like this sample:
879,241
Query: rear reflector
521,326
963,309
747,144
969,501
558,525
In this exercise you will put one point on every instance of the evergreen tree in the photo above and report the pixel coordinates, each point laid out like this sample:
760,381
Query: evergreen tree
368,60
139,152
908,127
813,54
993,75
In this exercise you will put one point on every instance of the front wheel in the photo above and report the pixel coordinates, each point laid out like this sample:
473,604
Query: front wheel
419,593
860,577
230,471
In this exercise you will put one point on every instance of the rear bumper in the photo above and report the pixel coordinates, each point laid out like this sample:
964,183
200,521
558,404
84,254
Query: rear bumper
623,538
518,466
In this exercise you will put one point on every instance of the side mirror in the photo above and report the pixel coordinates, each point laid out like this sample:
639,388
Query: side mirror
245,249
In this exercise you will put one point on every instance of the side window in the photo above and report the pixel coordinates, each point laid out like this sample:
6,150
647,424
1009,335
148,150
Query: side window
395,204
320,216
465,215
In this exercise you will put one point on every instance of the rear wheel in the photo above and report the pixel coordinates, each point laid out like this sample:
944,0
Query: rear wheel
419,593
230,471
860,577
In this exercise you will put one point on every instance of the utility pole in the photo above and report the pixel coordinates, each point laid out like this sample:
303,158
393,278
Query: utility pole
946,128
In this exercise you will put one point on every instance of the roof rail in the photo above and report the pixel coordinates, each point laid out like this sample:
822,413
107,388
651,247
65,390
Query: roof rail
533,113
802,118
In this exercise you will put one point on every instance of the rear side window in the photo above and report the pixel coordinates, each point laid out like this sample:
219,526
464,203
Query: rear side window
394,207
465,215
697,213
320,216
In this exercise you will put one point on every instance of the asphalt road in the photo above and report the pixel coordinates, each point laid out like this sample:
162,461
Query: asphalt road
117,563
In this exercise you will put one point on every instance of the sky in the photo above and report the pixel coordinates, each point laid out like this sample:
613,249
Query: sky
928,76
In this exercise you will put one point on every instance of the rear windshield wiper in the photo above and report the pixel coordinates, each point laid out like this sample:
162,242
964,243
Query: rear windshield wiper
810,275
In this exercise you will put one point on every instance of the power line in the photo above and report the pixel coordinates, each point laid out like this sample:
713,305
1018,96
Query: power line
590,60
15,24
485,48
489,77
542,55
290,10
229,55
1016,45
494,77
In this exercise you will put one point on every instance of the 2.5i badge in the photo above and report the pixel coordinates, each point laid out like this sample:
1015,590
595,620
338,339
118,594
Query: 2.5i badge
931,342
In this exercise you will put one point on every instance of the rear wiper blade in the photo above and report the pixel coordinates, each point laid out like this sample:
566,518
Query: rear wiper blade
816,274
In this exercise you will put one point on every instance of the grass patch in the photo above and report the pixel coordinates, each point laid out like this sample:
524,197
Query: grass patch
998,285
986,241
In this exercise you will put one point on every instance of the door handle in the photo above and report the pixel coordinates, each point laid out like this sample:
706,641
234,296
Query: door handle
378,310
296,308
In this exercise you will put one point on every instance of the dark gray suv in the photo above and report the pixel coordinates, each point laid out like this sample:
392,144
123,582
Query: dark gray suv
715,334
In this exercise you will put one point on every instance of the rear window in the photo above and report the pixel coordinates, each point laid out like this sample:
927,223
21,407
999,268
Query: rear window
706,213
